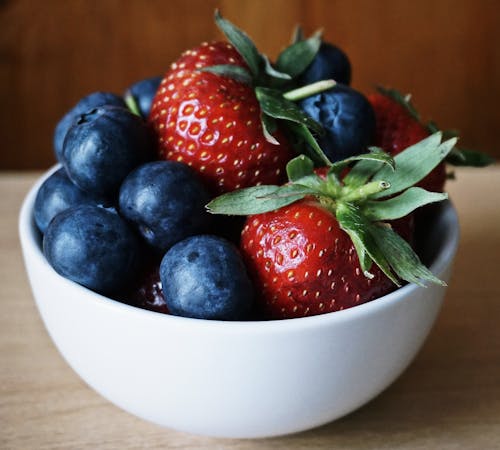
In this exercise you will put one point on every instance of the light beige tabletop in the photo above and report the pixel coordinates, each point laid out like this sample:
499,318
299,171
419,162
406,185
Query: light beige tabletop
449,398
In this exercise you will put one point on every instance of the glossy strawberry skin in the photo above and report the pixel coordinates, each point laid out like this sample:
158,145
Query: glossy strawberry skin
396,130
212,123
304,264
208,54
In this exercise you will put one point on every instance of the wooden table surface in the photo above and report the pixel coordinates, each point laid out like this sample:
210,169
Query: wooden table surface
449,398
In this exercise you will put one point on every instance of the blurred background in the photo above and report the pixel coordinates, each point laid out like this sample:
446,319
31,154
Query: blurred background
446,53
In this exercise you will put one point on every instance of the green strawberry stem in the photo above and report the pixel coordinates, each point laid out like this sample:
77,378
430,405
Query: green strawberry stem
365,191
308,90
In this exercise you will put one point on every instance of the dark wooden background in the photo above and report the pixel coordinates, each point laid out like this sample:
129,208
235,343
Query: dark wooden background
52,52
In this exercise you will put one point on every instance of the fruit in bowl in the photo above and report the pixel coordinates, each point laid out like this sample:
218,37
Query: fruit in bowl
168,314
241,379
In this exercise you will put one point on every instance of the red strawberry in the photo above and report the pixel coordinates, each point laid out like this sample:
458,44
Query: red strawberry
332,239
397,128
213,123
304,264
208,54
147,292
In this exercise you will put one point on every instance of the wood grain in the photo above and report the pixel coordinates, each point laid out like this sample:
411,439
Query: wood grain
444,52
448,399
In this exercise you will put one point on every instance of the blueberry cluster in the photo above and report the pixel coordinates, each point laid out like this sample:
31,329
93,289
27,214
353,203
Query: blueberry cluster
112,213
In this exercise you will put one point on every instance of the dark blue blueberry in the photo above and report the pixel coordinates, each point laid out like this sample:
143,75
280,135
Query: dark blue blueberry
204,277
142,94
103,146
348,120
56,194
165,201
329,63
84,105
93,247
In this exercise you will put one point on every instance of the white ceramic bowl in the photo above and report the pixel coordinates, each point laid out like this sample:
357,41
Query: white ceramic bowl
236,379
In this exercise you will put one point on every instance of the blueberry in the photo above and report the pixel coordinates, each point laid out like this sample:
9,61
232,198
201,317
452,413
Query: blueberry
329,63
93,247
84,105
56,194
204,277
348,120
142,94
103,146
165,201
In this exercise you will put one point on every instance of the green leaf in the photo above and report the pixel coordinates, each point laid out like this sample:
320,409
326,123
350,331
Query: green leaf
414,163
401,205
312,148
403,100
297,35
376,154
299,167
243,44
297,57
470,158
269,126
131,104
461,156
314,183
401,256
385,247
257,199
272,72
357,226
361,172
275,105
237,73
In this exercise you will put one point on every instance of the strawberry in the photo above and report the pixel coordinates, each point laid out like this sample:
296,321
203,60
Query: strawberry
329,241
303,263
222,109
146,290
213,124
398,127
208,54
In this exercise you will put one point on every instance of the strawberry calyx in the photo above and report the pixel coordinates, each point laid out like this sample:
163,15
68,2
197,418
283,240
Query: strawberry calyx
376,189
291,62
458,156
275,86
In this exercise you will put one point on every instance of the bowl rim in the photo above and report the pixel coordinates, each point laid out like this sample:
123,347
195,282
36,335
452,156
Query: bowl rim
29,236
